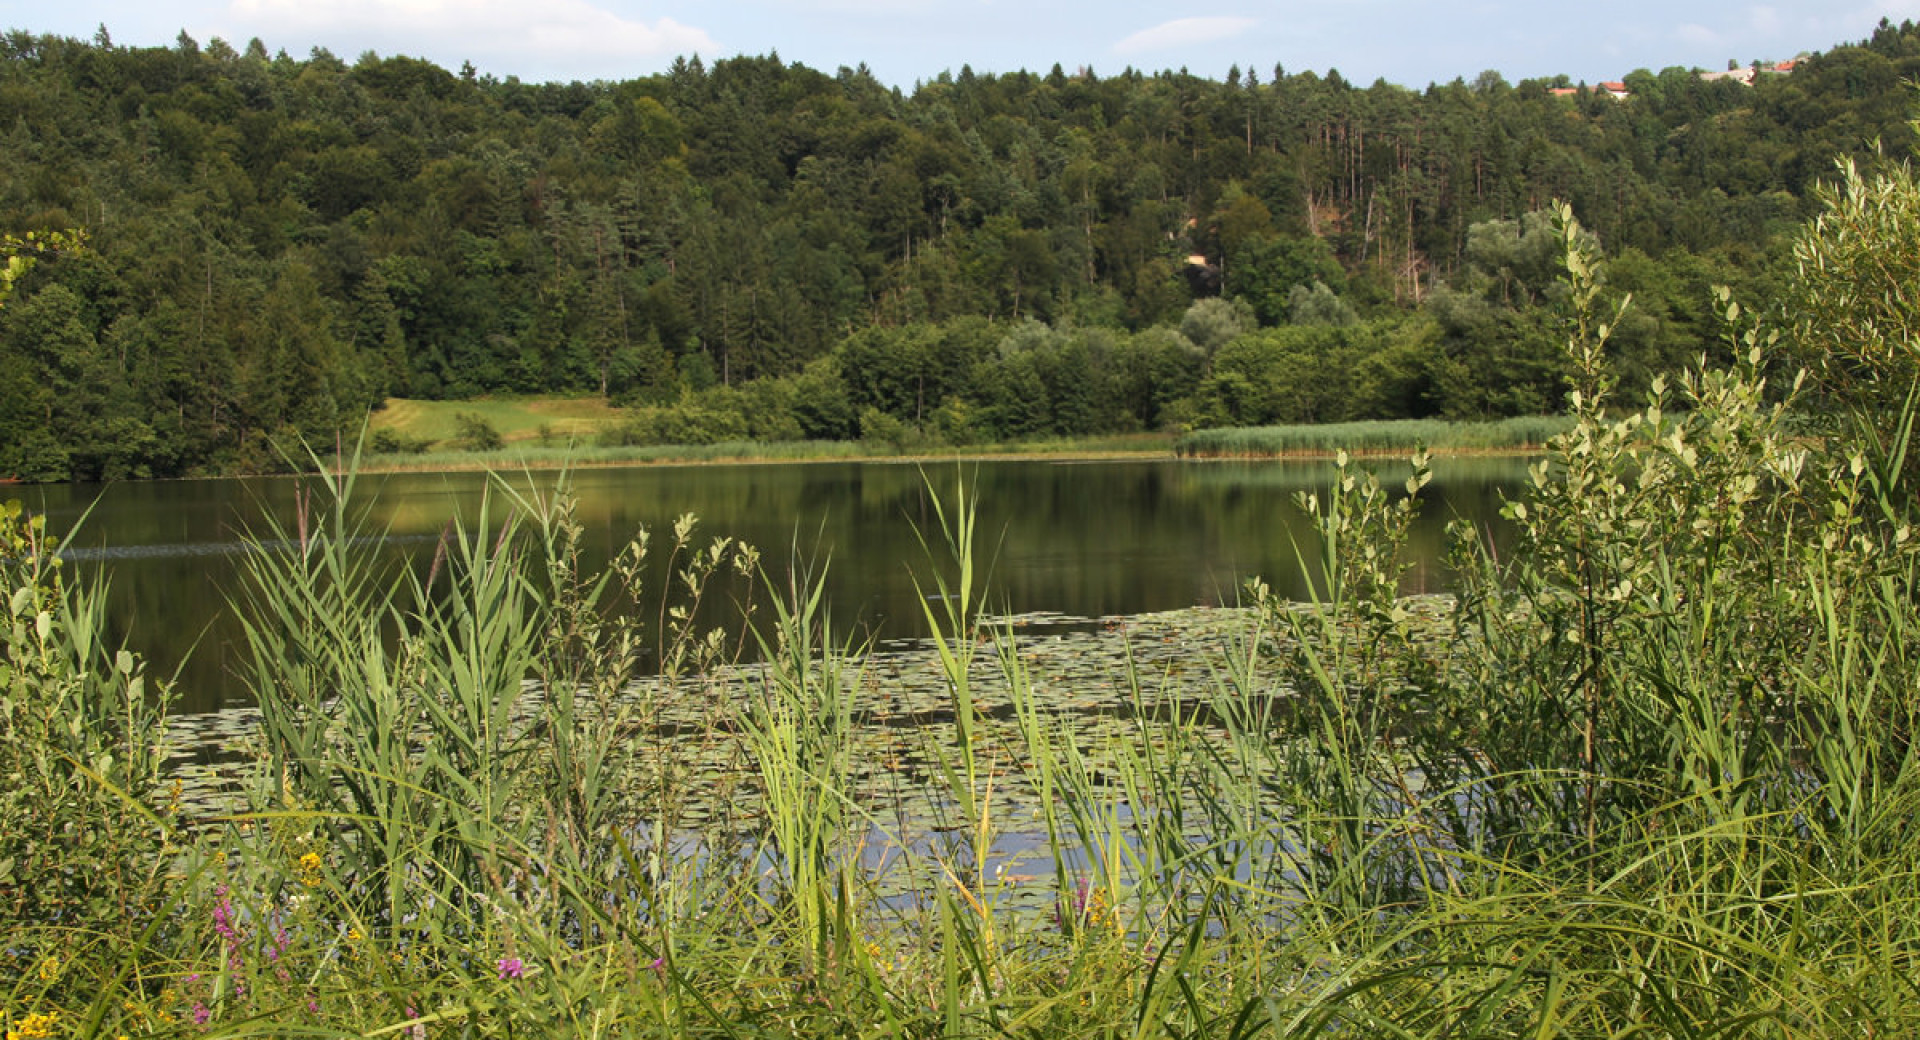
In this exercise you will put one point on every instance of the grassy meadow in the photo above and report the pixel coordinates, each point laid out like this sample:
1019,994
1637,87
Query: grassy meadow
552,433
1648,773
543,421
556,432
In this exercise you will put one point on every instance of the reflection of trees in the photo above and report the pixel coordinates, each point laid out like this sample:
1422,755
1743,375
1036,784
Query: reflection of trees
1083,538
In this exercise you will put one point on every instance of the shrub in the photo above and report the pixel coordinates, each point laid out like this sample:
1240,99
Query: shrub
684,423
877,427
472,432
394,442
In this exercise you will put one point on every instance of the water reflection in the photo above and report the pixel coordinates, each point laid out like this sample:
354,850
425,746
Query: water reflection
1088,539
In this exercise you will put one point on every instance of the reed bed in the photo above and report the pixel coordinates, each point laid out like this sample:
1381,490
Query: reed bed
1528,433
1655,778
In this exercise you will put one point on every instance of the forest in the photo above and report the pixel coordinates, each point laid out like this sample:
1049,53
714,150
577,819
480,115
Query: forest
274,246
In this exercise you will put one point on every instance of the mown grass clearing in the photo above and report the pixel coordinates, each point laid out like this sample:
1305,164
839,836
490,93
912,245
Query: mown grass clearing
519,420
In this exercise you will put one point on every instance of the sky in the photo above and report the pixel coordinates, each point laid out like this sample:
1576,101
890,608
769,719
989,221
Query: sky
1408,42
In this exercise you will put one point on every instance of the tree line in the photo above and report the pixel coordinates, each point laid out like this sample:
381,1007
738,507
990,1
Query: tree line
756,248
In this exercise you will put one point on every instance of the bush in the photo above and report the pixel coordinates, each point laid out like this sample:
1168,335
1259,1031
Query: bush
677,424
877,427
394,442
474,433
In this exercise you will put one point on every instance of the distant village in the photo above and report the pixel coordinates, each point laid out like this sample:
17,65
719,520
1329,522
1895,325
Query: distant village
1738,74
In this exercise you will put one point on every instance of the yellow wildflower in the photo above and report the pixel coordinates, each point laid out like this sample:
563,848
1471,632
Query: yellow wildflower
34,1027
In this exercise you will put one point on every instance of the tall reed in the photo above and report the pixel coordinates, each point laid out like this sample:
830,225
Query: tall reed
1380,437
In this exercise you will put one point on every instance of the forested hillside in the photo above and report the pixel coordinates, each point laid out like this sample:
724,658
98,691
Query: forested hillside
751,248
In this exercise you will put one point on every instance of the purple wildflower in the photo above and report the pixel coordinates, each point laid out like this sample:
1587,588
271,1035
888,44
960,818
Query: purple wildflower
512,968
223,916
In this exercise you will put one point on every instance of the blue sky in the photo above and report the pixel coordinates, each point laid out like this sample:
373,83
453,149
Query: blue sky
1410,42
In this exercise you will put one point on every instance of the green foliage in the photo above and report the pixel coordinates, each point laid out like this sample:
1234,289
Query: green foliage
1372,438
280,243
1267,271
822,407
1853,302
878,427
1318,305
475,433
1212,323
82,822
394,442
1669,694
1514,260
686,423
1491,359
22,252
423,850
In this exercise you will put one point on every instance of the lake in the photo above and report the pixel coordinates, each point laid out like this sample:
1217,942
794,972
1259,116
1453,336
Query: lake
1086,539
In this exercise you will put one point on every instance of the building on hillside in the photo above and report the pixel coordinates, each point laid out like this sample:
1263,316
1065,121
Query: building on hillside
1745,76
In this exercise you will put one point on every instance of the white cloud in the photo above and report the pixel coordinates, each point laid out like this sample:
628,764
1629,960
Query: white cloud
553,29
1182,32
1763,20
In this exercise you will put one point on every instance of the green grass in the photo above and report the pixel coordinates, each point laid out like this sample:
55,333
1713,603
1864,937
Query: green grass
520,420
1397,437
551,431
586,453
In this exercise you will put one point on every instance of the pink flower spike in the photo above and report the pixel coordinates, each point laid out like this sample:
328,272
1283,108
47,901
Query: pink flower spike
512,968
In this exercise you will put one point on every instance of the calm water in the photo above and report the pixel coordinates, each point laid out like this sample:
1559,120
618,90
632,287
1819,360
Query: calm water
1086,539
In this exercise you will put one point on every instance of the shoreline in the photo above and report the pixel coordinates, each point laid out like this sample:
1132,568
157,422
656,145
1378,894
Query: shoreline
380,466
